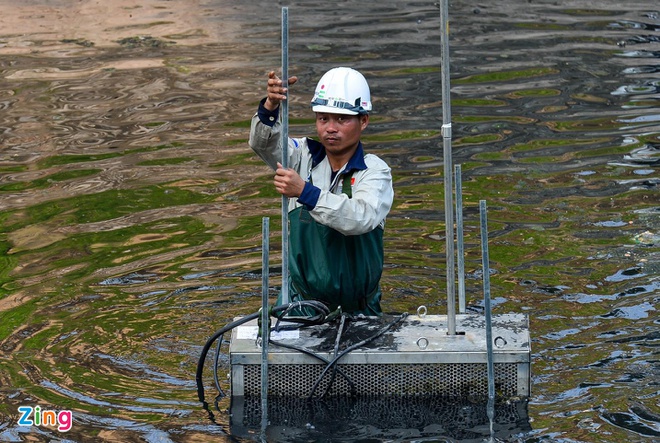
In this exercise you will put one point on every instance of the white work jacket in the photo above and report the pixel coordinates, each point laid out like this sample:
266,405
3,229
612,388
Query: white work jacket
371,181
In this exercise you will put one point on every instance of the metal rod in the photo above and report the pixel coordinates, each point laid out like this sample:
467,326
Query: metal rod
487,310
446,139
265,317
460,250
284,143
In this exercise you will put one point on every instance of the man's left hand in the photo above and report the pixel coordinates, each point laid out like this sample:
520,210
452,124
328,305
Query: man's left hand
288,182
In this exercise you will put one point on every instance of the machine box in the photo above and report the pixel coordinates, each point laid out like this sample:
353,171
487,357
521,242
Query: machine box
412,357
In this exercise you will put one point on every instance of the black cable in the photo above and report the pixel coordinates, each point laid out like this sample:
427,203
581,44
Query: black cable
278,312
207,346
334,361
216,360
340,331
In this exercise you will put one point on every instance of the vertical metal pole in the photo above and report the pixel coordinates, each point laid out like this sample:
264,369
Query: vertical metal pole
446,139
284,143
487,310
460,252
265,323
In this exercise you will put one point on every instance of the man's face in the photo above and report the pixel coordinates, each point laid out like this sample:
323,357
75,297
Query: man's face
340,133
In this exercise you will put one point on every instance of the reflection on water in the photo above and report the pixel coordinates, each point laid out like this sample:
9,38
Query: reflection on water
131,206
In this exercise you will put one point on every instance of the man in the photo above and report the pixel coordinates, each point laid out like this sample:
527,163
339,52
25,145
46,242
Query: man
337,212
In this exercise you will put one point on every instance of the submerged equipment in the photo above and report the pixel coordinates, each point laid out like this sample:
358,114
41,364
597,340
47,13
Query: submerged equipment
322,315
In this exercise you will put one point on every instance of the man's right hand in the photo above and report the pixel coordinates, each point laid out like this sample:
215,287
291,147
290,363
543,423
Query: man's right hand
276,91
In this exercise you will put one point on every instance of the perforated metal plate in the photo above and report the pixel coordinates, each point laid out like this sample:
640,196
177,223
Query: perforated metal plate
416,357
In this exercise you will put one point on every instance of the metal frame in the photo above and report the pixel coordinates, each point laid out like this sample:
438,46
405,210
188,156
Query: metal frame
419,340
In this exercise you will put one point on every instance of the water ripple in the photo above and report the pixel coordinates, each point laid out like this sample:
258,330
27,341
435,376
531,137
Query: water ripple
105,306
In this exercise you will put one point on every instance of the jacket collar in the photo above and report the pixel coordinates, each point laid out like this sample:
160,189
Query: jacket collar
355,163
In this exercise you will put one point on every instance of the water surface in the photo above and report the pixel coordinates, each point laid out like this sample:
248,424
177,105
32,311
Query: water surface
131,206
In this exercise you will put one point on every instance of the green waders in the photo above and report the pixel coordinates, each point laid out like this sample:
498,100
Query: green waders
340,270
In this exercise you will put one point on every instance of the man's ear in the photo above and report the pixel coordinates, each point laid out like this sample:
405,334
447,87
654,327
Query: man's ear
364,121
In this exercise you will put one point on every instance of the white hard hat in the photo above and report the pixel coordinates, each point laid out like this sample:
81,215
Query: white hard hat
342,91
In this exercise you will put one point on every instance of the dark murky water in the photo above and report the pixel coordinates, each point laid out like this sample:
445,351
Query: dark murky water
131,207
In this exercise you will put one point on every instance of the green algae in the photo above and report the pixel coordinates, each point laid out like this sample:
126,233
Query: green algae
604,151
15,318
478,139
476,102
104,205
584,125
536,92
464,118
7,263
38,341
400,135
166,161
67,159
249,230
411,70
544,26
549,143
238,159
47,181
506,76
589,12
491,156
6,169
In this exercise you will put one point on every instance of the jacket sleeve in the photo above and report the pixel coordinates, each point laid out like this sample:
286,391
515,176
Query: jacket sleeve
265,133
367,209
265,130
